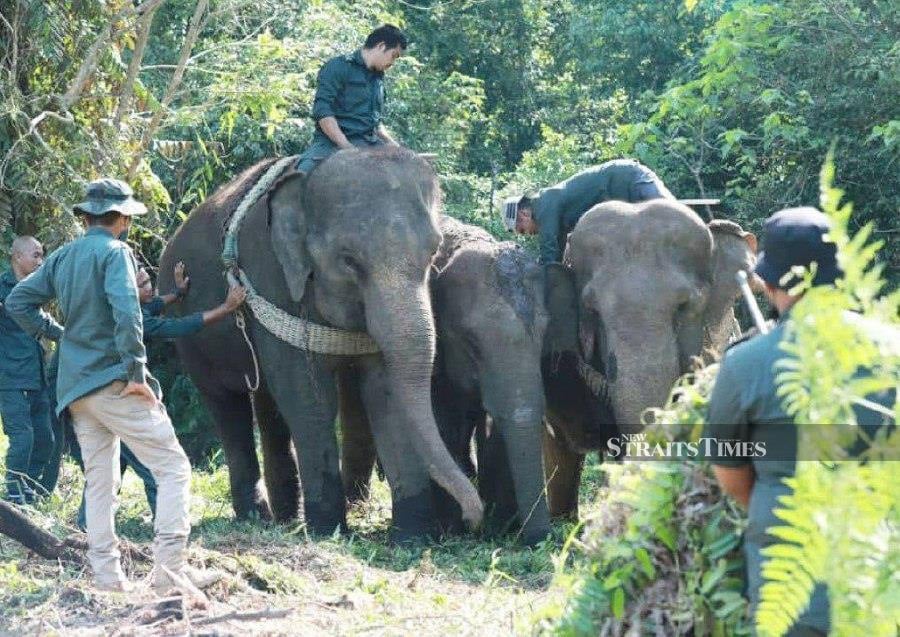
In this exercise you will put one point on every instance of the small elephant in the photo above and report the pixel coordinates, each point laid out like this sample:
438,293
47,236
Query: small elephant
491,320
347,247
647,289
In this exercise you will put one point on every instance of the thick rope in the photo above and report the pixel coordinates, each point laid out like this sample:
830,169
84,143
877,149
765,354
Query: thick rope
291,329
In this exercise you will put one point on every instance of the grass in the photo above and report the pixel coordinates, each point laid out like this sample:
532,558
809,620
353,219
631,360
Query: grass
348,585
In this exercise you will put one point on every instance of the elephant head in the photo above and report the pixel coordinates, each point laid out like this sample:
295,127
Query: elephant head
355,240
652,288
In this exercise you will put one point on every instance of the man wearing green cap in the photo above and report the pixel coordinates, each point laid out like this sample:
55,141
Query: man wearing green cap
745,406
104,382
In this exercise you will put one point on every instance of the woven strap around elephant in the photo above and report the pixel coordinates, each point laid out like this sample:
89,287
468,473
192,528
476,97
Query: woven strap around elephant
291,329
595,381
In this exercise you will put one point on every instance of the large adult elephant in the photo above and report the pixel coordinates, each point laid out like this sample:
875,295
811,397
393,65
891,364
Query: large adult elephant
347,247
646,289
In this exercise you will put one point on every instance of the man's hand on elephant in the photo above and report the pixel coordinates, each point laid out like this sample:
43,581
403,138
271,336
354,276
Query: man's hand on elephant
181,282
236,296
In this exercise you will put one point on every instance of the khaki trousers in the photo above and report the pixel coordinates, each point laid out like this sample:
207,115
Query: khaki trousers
100,420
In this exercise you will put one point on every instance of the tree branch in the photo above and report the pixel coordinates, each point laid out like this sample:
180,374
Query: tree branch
190,39
92,59
134,66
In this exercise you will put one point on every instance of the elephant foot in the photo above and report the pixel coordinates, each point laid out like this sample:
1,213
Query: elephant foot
323,519
413,519
533,537
251,505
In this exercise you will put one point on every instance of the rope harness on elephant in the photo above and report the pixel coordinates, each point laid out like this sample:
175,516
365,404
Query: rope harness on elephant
291,329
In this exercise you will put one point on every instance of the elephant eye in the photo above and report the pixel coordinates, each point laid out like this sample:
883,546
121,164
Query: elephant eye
350,263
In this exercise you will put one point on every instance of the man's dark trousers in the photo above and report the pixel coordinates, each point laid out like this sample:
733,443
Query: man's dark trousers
26,422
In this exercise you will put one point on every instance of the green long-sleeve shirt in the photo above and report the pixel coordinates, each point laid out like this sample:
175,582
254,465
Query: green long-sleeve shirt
22,361
351,93
156,326
93,279
558,208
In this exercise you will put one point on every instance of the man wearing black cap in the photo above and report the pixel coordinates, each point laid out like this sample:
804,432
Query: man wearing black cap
104,382
744,405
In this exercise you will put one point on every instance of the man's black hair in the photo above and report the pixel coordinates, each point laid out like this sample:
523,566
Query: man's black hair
106,220
391,35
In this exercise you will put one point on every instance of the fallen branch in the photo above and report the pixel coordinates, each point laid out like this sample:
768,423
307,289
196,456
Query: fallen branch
269,613
16,525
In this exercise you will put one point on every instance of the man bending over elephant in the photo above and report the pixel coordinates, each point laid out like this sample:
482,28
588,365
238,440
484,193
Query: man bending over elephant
349,97
554,211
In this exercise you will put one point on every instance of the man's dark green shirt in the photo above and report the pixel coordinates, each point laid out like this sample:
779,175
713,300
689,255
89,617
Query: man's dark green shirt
745,406
558,208
22,358
351,93
93,278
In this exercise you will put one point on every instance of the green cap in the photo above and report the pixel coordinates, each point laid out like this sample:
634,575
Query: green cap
107,195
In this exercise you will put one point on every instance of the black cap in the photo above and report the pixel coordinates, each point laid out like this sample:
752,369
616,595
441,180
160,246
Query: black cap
792,237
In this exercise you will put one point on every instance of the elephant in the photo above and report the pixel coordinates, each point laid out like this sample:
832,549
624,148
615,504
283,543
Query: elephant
490,319
348,246
646,289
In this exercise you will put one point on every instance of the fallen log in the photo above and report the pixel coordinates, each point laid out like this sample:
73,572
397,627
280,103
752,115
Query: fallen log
16,525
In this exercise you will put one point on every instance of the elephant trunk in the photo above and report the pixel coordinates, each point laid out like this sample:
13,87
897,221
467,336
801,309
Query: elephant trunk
642,365
401,322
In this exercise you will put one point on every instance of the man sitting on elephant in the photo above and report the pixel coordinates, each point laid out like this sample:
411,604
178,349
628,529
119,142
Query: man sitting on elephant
349,97
554,211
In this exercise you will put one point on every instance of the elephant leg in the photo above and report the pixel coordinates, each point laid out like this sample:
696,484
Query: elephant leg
410,483
357,445
562,468
495,481
233,419
457,416
305,393
279,462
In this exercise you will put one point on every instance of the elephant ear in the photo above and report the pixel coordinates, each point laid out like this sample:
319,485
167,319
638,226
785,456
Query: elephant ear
561,299
734,249
288,219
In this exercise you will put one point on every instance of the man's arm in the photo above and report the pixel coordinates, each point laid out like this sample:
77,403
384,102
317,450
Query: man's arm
24,305
549,228
121,292
726,420
158,327
736,482
384,134
329,85
332,130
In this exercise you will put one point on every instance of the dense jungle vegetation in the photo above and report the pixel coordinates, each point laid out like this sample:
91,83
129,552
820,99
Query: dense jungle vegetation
734,99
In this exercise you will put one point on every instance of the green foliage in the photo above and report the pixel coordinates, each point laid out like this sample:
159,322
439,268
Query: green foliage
843,519
662,555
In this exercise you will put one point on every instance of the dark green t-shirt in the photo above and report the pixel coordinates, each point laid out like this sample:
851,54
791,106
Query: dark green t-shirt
744,406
